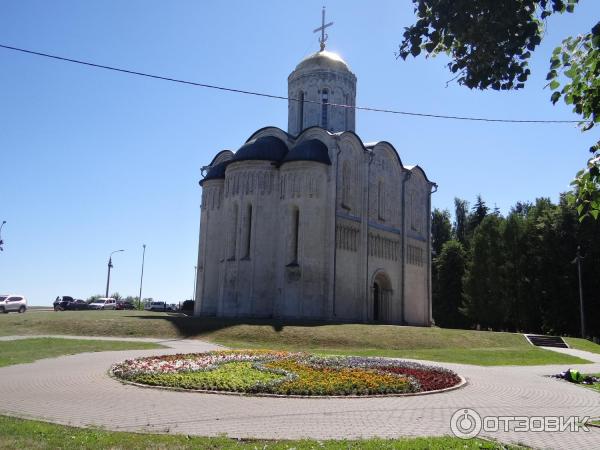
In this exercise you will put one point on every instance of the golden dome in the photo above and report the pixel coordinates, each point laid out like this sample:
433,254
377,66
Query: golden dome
323,59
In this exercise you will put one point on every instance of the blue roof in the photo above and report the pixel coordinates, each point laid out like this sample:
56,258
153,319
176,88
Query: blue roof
216,172
309,150
266,148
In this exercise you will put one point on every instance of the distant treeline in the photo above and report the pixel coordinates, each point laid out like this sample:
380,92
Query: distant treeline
515,273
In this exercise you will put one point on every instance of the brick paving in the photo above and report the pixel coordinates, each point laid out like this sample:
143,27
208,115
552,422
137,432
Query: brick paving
76,390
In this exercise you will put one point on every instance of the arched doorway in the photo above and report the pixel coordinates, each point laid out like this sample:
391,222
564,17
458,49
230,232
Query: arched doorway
381,308
376,301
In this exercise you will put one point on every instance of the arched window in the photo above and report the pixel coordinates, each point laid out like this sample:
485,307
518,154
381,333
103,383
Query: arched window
300,112
324,106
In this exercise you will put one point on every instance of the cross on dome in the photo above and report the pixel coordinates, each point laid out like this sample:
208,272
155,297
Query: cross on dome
324,35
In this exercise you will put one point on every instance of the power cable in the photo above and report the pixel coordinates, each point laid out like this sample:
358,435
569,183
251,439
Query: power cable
280,97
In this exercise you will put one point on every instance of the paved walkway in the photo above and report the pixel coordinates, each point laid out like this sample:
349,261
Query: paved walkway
76,390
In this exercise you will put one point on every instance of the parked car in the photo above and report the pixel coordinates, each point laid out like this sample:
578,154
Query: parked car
76,305
124,305
104,303
60,302
156,306
16,303
67,303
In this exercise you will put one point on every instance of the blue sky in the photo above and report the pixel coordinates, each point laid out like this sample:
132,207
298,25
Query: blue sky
96,161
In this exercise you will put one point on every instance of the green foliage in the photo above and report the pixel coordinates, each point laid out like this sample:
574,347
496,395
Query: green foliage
461,208
478,213
587,188
520,275
93,298
441,229
489,42
484,302
575,65
447,299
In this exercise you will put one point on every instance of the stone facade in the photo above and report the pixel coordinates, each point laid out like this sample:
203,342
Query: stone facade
314,223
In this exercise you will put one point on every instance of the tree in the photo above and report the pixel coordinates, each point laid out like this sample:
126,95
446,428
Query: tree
460,215
441,229
448,292
490,42
519,272
478,213
484,300
94,298
577,64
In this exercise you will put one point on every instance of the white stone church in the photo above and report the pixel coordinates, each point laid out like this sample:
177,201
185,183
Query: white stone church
314,223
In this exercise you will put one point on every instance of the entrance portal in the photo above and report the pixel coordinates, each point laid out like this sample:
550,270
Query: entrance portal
376,301
382,298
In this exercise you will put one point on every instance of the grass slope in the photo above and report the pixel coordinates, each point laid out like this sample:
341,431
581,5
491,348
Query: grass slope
18,433
28,350
437,344
583,344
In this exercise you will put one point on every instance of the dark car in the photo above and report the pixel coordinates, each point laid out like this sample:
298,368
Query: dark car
124,305
77,305
70,304
60,302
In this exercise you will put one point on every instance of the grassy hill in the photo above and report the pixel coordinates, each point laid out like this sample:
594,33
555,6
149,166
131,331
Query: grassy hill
436,344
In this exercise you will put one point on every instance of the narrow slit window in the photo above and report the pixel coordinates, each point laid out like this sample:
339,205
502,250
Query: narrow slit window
233,234
346,112
295,233
324,101
346,176
300,111
381,200
248,231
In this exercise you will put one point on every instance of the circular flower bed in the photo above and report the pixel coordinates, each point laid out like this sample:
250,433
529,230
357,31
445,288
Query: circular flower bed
285,373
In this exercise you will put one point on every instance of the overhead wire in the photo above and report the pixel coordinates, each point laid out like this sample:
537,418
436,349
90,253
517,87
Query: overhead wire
280,97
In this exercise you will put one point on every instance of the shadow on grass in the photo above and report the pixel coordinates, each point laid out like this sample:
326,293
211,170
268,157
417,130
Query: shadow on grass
197,326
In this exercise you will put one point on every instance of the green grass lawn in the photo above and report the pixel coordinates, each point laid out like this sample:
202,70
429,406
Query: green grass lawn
31,349
583,344
437,344
18,433
595,386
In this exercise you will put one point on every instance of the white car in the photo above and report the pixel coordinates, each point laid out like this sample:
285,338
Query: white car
16,303
156,306
104,303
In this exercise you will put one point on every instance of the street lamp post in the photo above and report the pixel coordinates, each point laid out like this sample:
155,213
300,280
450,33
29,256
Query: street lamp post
577,261
142,276
1,241
110,267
